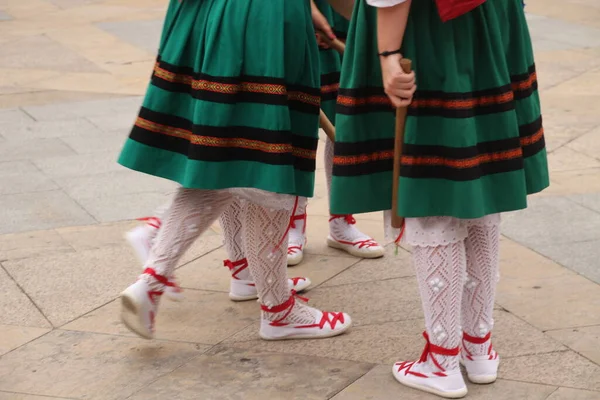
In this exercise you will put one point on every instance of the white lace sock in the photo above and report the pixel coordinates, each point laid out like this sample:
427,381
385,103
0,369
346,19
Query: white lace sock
482,246
267,257
233,229
297,234
440,262
440,272
329,147
191,214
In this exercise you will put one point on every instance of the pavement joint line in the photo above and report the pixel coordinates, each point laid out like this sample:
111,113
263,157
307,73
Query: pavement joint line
27,295
571,327
546,384
50,330
351,383
41,395
24,111
132,336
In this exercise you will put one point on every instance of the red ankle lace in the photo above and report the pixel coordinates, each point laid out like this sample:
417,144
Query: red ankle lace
477,340
232,265
429,352
152,221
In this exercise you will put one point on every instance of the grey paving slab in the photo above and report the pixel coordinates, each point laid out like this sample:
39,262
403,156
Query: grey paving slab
143,34
583,340
41,52
73,284
14,116
84,109
574,35
123,206
589,200
4,16
17,308
226,373
567,369
66,4
77,165
574,394
90,366
122,121
588,143
14,336
15,246
203,317
50,129
40,210
119,207
552,220
581,257
379,384
101,142
113,184
24,396
23,177
389,267
33,148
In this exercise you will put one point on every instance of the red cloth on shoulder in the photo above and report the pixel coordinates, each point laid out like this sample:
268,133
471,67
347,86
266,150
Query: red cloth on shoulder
450,9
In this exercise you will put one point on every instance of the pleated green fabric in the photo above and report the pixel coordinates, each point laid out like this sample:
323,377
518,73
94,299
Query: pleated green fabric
474,142
331,60
234,98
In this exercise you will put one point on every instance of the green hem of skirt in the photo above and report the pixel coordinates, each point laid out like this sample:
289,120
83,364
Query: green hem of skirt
490,194
215,175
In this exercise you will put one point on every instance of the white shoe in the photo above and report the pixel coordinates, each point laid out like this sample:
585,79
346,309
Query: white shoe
481,369
345,236
427,375
139,304
297,240
328,324
243,290
141,239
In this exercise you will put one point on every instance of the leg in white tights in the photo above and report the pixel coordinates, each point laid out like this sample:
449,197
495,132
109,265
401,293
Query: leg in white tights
191,214
283,315
440,263
343,233
482,245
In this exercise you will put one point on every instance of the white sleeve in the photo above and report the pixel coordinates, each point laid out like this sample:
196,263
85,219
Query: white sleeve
384,3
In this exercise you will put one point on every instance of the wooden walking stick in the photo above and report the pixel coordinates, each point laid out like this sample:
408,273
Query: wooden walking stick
398,221
327,126
335,44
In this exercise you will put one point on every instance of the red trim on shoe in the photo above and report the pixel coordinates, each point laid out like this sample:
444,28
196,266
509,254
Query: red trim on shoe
154,222
350,220
428,352
492,355
294,249
232,265
361,243
297,279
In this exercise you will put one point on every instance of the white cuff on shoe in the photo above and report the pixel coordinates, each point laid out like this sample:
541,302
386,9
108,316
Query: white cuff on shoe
384,3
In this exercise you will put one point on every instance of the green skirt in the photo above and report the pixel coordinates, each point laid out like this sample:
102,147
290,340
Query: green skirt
331,60
474,142
234,98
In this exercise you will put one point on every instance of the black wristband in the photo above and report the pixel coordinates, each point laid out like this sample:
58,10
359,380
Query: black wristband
389,53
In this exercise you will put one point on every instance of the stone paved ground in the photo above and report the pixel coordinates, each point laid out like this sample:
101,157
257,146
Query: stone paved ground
71,76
